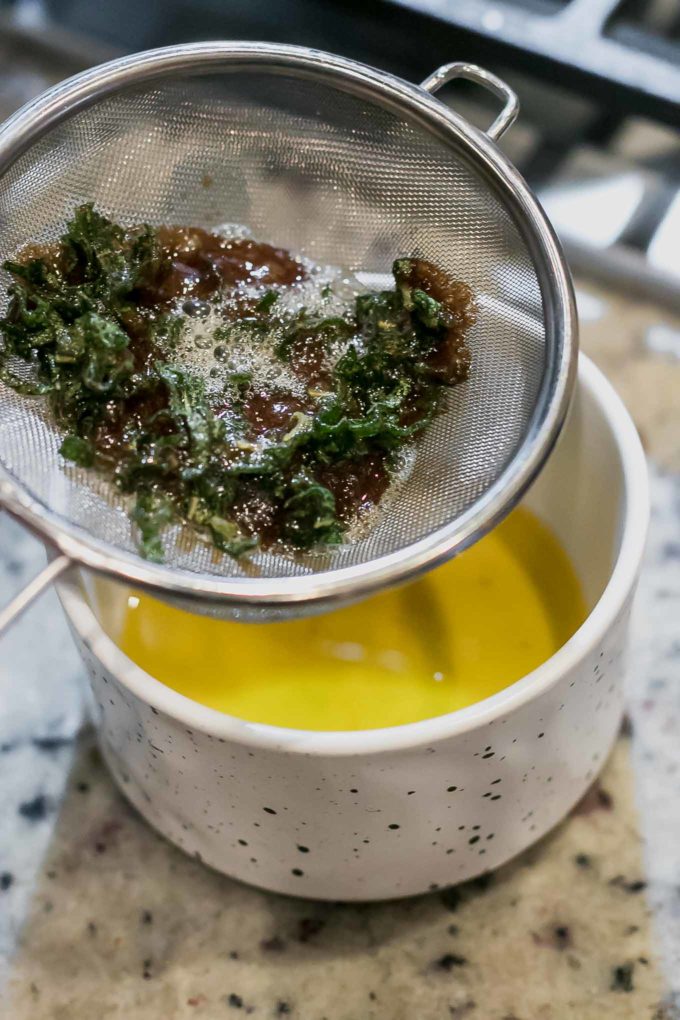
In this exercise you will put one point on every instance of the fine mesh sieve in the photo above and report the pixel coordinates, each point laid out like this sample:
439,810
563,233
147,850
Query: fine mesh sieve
347,166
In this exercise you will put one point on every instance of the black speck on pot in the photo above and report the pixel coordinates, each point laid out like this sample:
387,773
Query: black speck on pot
303,849
393,825
297,872
51,744
671,551
269,810
34,810
6,879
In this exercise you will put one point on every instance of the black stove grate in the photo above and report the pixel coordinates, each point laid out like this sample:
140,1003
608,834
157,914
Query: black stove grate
598,80
625,52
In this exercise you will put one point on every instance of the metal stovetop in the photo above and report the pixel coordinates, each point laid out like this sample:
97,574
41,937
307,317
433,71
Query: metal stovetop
600,149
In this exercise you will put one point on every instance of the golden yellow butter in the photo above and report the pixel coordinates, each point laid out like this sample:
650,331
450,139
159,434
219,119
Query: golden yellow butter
460,634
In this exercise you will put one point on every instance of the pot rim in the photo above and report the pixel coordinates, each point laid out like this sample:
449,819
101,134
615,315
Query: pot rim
398,738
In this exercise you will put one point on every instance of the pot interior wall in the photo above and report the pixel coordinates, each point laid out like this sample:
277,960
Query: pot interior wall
580,495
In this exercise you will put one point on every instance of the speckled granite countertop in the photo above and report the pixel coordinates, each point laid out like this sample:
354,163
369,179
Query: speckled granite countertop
123,925
99,917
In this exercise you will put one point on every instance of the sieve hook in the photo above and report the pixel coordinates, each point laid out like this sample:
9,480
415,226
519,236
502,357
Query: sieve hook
13,610
472,72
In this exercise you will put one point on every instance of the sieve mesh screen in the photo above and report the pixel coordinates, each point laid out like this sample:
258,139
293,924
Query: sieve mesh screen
328,172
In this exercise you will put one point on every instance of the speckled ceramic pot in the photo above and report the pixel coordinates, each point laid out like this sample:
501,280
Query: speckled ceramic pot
392,812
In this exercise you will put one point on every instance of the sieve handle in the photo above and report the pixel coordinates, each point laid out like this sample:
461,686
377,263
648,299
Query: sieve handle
33,589
477,74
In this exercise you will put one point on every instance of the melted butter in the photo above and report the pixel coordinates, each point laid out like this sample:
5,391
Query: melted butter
460,634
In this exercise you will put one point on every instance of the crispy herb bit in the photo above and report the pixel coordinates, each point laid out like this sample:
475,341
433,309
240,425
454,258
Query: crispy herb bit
309,515
190,412
225,535
427,310
304,327
266,301
96,323
151,513
79,450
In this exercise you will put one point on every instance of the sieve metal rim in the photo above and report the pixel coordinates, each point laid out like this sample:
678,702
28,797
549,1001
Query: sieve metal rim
329,587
